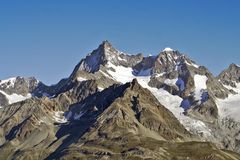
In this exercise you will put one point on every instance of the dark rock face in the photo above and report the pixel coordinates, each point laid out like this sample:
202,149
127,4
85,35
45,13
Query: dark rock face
206,111
128,110
3,100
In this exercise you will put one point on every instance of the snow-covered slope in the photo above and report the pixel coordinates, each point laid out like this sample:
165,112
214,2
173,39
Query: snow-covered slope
15,89
175,80
13,98
230,107
18,89
171,102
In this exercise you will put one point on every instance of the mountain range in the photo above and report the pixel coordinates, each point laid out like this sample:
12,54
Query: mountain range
120,106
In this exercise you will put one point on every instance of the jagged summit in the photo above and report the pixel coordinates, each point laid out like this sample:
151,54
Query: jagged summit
230,76
234,66
104,53
101,56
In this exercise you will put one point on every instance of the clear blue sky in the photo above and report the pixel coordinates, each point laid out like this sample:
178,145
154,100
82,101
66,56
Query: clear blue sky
47,38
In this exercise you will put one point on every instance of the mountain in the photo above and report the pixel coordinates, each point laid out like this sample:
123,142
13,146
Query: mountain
18,89
230,76
120,106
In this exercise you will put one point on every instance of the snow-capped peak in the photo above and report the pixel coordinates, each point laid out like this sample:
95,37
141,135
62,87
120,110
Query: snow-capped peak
233,65
167,49
104,54
9,81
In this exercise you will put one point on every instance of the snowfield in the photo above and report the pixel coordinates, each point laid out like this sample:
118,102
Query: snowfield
171,102
200,82
14,98
167,49
230,107
9,82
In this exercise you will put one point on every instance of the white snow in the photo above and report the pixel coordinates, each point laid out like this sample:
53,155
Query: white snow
173,103
121,59
176,82
80,79
121,74
191,64
13,98
95,108
58,117
106,75
230,107
160,75
200,82
171,82
167,49
100,88
11,82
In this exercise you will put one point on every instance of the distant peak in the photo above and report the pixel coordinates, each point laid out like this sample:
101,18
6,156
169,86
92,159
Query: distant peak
106,44
233,65
167,49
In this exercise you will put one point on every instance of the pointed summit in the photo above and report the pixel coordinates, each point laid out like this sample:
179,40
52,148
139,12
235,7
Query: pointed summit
106,54
106,44
234,66
100,56
231,75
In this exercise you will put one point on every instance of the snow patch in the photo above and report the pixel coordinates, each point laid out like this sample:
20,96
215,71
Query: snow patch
171,82
200,82
80,79
176,82
14,98
58,117
100,88
191,64
121,74
230,107
95,108
173,103
9,82
121,59
167,49
159,75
